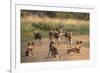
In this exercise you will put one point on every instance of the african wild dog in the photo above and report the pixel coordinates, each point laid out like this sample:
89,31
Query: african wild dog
57,36
29,50
74,50
37,36
52,50
68,37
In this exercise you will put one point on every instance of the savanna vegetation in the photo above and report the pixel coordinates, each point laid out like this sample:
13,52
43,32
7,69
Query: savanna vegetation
76,22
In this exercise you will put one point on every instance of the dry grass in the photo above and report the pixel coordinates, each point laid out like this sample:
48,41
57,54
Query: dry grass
47,20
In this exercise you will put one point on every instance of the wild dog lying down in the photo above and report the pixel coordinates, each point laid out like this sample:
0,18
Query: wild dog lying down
52,50
74,50
29,50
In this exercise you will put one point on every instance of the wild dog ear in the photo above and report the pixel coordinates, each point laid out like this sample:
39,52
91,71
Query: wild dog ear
28,43
80,42
32,43
77,42
51,42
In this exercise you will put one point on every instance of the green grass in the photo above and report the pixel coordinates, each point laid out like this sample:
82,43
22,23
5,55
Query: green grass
78,29
27,29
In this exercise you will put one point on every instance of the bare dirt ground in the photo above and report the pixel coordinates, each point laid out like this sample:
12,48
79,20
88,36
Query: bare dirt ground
40,52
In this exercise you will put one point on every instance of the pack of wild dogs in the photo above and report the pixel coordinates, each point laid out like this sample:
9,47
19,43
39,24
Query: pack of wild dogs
54,36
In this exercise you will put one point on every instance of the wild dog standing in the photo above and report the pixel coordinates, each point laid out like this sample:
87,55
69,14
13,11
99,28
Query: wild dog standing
51,35
68,37
37,36
61,34
57,35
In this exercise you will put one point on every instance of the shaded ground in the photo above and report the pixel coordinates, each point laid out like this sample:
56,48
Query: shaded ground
41,52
